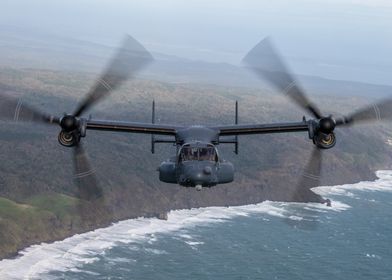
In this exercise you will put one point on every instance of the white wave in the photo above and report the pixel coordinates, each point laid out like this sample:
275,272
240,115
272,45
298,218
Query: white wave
373,256
155,251
37,261
188,239
383,183
186,236
194,244
118,260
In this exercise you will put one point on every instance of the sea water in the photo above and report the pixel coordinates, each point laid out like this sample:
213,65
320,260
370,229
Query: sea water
271,240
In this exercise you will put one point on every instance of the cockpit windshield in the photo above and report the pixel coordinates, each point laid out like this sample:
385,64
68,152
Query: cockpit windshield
189,152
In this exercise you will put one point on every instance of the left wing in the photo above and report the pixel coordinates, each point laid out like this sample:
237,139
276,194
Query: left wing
132,127
245,129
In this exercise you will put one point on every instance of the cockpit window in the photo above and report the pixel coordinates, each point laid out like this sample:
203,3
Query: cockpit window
188,153
207,153
197,153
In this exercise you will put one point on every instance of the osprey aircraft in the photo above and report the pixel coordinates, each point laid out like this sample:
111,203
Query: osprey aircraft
197,162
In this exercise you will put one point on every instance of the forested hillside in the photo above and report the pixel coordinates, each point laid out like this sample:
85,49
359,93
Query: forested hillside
37,194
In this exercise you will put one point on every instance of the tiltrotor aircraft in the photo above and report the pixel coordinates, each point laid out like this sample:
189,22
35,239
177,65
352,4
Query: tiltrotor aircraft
197,162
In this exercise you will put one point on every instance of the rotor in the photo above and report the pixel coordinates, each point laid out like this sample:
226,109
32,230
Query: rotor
129,59
265,61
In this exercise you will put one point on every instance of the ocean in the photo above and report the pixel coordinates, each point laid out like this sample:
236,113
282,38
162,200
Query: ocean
271,240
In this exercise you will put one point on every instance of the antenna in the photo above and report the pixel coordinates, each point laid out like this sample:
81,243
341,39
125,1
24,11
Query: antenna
153,121
236,122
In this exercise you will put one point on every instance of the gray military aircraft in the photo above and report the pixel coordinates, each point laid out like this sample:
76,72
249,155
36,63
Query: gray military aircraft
197,162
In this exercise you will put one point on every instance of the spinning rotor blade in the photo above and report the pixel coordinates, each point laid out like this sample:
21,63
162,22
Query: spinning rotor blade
310,179
92,205
303,193
13,109
128,60
265,61
376,112
84,176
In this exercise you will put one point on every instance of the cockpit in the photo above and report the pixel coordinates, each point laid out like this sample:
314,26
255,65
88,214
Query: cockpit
199,152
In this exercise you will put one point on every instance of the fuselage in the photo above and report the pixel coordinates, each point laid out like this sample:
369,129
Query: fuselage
197,162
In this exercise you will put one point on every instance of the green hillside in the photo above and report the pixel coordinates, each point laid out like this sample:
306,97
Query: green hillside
37,194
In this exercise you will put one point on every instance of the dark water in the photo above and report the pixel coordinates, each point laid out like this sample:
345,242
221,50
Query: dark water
351,240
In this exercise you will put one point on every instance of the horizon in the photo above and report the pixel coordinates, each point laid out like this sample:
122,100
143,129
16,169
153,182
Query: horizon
339,40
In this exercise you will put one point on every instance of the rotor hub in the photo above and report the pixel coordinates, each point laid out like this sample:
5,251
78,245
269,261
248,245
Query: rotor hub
69,123
327,125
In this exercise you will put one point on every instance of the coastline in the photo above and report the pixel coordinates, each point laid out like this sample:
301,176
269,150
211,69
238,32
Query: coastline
15,253
82,249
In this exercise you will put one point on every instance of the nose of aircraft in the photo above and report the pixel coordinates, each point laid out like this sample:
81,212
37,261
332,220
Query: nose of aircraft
198,174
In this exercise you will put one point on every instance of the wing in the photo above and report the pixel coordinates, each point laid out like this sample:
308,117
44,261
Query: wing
245,129
132,127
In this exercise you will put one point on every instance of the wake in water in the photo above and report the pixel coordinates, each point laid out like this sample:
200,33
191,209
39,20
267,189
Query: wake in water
76,251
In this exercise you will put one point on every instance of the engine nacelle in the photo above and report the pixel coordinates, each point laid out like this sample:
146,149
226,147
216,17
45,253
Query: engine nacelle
167,172
68,139
72,130
225,172
324,141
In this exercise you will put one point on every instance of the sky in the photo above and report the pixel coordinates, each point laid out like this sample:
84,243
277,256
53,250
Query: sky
340,39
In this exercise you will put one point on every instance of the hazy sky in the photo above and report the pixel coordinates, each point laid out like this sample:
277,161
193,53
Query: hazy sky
351,39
